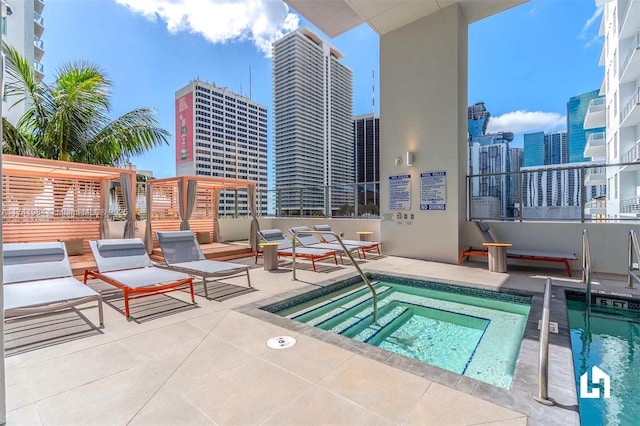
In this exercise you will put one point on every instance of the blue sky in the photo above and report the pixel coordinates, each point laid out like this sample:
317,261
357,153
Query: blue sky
524,63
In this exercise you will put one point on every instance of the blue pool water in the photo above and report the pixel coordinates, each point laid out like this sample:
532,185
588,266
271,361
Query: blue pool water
472,332
610,340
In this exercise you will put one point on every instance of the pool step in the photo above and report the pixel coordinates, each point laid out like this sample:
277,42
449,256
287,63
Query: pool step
386,314
352,306
351,312
396,316
297,314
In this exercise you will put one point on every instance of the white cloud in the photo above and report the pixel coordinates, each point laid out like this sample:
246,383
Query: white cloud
220,21
590,22
526,121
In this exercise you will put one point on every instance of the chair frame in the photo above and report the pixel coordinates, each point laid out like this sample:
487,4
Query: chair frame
364,248
311,257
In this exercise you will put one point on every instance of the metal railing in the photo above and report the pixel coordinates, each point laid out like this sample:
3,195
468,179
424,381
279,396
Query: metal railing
633,247
630,104
543,358
586,266
353,261
635,45
633,154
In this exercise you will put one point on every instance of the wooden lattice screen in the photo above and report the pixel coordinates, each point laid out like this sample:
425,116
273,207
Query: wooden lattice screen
165,209
50,209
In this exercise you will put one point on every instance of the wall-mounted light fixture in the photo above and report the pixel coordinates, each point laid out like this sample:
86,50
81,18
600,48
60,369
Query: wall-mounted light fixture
409,158
398,161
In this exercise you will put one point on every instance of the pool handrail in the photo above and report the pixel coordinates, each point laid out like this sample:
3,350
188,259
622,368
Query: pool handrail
543,359
586,265
633,246
364,277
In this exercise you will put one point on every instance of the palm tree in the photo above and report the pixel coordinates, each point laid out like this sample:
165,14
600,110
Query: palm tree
69,119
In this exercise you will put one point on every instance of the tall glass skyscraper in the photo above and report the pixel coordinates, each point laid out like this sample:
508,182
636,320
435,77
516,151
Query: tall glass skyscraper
576,110
545,149
478,118
534,149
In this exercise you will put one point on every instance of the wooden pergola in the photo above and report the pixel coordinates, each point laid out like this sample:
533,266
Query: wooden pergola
50,200
191,202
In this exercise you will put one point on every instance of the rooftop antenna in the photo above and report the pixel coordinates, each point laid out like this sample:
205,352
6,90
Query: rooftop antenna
249,82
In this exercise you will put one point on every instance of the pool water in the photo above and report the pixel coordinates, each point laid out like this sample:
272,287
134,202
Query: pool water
610,340
455,329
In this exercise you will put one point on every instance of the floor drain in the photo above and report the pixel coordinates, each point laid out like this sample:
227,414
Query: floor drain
281,342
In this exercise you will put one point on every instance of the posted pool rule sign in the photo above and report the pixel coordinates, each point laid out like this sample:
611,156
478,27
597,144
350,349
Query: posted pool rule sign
433,191
400,192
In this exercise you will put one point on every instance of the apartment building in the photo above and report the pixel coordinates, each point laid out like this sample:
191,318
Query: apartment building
220,133
22,27
366,139
313,129
618,110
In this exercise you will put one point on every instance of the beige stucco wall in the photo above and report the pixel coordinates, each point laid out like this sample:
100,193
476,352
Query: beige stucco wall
423,109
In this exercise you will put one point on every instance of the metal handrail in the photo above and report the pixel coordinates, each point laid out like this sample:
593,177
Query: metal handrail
633,246
586,265
543,359
364,277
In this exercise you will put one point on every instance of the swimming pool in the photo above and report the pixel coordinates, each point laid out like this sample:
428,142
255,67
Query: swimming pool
472,332
610,340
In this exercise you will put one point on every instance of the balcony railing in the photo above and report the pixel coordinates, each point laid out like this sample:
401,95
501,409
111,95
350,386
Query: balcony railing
595,146
38,67
631,103
38,43
38,19
630,205
633,154
597,104
635,46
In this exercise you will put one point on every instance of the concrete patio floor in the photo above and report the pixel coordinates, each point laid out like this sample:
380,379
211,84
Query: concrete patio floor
176,363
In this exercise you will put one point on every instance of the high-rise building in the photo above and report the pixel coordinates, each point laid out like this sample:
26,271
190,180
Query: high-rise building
576,133
313,129
546,148
478,119
221,134
619,110
366,138
22,27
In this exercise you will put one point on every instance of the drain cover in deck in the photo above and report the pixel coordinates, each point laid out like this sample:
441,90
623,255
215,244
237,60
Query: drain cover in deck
281,342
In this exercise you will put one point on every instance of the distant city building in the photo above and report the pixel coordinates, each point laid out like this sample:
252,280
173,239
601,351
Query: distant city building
546,149
22,28
221,134
552,192
366,137
577,135
619,109
313,129
478,119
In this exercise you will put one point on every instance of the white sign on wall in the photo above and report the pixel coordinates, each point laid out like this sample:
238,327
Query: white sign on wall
400,192
433,190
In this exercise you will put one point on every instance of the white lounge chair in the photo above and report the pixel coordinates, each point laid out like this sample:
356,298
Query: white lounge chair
364,246
126,265
182,252
285,248
37,278
312,241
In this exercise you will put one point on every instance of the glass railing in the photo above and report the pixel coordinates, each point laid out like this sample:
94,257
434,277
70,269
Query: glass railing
38,67
597,103
631,103
635,45
549,193
596,138
38,19
357,200
38,43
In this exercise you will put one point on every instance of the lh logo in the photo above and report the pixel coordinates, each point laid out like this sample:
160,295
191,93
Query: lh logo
597,375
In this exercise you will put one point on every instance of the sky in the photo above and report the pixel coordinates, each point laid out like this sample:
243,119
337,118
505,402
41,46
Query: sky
524,63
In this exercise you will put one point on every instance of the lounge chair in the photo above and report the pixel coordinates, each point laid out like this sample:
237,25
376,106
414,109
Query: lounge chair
542,256
125,264
285,248
364,246
312,241
37,278
182,252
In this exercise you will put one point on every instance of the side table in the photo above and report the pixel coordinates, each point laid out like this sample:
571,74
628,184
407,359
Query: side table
497,256
365,235
270,256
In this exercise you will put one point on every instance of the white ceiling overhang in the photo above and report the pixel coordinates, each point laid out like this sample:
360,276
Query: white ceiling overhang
335,17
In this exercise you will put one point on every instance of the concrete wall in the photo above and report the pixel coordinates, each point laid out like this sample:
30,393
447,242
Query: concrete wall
608,241
423,109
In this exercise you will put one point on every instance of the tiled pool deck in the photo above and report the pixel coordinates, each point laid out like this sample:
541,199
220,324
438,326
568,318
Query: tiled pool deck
209,364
